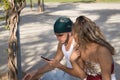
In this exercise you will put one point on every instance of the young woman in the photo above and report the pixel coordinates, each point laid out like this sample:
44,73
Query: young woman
92,56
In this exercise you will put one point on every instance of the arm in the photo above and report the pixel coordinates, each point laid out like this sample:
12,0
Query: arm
77,65
76,70
36,73
105,60
58,57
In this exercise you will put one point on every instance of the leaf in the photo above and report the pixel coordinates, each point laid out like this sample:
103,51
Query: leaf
7,27
5,4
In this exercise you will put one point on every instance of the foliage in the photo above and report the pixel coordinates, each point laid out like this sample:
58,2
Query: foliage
86,1
2,18
7,27
5,4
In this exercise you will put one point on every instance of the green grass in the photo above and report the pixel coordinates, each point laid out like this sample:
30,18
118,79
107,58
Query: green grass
110,1
81,0
86,1
69,0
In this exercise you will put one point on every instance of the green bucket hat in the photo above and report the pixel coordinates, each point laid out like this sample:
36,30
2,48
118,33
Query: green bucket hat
63,24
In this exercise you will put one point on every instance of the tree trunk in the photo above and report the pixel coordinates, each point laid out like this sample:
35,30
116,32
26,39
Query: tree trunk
31,4
13,45
41,5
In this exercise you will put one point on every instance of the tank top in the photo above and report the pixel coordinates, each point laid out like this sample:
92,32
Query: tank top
68,53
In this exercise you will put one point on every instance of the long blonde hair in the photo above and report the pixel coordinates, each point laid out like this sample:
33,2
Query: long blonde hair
87,31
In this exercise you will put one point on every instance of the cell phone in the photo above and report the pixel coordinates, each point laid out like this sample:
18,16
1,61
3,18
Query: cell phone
45,58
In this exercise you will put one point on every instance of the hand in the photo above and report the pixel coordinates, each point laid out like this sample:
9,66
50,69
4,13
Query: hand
75,54
53,63
29,76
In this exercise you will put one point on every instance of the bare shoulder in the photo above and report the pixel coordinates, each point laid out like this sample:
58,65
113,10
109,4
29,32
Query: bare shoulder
59,48
104,53
103,50
59,53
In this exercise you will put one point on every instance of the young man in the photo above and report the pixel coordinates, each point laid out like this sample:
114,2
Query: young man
62,30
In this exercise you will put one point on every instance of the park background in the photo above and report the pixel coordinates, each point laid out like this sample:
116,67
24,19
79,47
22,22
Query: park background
36,29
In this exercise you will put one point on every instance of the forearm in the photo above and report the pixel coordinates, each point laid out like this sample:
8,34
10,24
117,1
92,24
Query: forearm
78,70
67,70
73,71
45,69
41,71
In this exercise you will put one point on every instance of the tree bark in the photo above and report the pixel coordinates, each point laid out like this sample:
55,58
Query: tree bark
31,4
12,21
41,5
12,47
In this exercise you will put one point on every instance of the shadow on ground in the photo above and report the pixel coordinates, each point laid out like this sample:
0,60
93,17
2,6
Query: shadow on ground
40,40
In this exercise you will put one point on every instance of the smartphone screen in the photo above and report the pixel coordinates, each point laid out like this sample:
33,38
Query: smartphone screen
45,58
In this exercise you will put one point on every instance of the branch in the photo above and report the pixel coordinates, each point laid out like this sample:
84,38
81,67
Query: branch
22,5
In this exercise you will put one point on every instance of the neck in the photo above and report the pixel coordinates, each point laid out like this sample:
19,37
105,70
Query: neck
68,40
